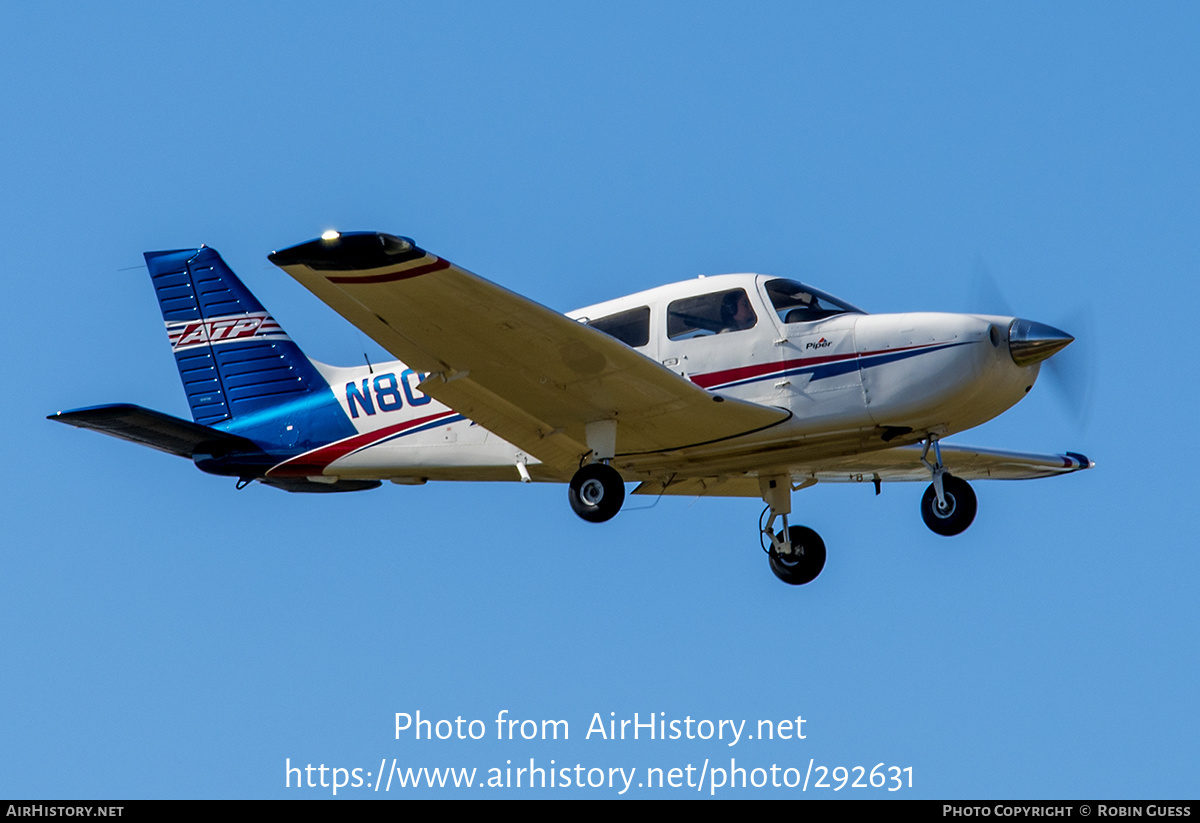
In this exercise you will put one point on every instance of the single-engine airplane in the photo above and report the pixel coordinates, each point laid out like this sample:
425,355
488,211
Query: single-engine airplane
741,385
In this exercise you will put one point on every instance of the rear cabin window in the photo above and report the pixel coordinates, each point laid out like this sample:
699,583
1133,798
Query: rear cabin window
716,313
630,327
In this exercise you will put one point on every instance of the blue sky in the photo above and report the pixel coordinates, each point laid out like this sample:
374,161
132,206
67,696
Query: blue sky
168,636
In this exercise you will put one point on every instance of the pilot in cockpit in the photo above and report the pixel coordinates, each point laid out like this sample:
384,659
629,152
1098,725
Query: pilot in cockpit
736,313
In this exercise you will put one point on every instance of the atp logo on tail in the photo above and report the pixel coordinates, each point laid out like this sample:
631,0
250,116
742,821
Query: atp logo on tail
226,329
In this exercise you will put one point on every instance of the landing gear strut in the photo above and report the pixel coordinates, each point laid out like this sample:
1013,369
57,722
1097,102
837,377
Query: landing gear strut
596,492
948,505
797,553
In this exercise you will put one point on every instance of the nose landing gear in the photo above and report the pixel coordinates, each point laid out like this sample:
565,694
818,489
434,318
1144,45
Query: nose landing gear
956,510
948,505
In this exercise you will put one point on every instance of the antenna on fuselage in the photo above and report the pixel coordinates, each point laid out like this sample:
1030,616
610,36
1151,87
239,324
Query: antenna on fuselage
363,344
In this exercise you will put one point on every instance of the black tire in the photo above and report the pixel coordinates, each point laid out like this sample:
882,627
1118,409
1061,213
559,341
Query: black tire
596,492
960,507
798,569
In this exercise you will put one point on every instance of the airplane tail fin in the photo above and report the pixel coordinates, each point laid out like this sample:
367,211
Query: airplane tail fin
233,358
255,398
240,370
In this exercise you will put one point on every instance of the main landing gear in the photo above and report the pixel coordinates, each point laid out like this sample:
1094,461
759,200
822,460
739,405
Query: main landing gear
596,492
797,553
948,505
806,560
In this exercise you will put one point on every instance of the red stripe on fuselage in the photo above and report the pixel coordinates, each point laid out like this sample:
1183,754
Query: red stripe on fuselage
745,372
314,462
404,274
719,378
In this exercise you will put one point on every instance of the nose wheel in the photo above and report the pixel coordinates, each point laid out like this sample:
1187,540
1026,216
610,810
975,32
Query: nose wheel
596,492
949,504
956,510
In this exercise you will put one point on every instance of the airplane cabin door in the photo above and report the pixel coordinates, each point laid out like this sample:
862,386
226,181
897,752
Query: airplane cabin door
819,375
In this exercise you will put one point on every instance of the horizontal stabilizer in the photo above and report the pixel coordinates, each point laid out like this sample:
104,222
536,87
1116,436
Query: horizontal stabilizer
155,429
306,486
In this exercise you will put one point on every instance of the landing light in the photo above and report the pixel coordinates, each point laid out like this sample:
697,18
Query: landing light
330,235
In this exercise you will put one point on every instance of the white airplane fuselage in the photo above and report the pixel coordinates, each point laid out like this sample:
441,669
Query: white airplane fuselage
853,382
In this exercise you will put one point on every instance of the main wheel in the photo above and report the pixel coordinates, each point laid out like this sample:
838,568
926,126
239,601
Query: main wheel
799,568
958,512
596,492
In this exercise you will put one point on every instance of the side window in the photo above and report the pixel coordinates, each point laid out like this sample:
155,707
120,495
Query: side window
630,327
716,313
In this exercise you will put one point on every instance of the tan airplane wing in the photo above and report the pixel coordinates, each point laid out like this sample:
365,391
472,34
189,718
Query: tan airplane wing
890,465
519,369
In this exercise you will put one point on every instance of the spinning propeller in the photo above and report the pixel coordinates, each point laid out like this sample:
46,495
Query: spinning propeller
1067,355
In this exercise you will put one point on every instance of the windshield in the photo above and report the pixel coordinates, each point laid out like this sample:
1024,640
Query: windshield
797,303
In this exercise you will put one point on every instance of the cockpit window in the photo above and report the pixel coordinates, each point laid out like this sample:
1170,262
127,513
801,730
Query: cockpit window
630,327
798,303
716,313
